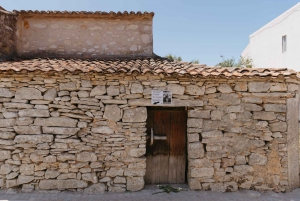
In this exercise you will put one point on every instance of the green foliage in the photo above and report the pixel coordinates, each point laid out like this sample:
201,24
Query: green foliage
175,58
243,63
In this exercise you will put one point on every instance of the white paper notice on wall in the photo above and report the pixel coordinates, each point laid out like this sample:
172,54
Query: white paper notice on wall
161,97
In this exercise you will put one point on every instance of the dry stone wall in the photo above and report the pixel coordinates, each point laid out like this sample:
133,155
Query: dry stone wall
87,132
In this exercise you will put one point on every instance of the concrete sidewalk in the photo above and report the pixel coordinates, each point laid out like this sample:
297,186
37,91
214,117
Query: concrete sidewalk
147,194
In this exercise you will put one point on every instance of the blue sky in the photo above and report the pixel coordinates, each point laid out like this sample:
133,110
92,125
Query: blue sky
192,29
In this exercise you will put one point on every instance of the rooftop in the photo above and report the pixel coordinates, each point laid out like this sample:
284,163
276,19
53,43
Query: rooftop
142,66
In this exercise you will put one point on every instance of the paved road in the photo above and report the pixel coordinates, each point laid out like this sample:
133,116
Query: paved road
243,195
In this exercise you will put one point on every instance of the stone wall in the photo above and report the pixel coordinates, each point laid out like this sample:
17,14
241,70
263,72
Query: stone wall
87,131
84,37
7,35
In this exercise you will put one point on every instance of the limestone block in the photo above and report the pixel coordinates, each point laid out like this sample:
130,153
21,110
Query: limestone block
86,156
11,183
49,159
216,115
7,135
50,94
56,121
193,137
18,105
28,130
33,139
51,174
92,177
60,130
257,159
24,121
199,163
114,101
80,165
112,113
96,164
34,113
194,90
36,158
279,126
95,189
86,83
293,87
194,184
275,107
278,87
212,134
187,103
210,90
4,123
131,172
135,183
83,94
5,155
66,157
119,180
5,169
24,179
66,176
113,90
102,129
9,115
28,93
224,88
259,86
202,172
62,184
240,160
243,169
176,89
137,152
252,107
136,88
27,169
98,91
234,109
195,150
113,172
250,99
135,115
264,115
227,162
201,114
12,175
194,123
241,86
69,86
6,93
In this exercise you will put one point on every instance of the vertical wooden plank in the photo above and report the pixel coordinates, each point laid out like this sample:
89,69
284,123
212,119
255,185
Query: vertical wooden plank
149,168
293,141
178,147
164,156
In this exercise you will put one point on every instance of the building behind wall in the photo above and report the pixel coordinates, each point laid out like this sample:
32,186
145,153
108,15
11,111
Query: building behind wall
277,44
76,117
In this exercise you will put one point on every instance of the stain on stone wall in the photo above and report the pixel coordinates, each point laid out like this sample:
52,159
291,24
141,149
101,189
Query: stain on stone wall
7,35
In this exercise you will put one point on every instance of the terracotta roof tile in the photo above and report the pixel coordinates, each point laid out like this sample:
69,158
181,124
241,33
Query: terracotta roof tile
142,66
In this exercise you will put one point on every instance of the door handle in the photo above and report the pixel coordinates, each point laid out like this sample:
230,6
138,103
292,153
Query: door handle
156,137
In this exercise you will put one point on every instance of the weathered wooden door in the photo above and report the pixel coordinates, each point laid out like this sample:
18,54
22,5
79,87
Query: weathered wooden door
166,158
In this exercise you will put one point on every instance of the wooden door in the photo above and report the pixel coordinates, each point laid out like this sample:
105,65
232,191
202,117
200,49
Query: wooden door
166,159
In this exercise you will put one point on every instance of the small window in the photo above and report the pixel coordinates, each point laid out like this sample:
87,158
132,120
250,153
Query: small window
284,43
